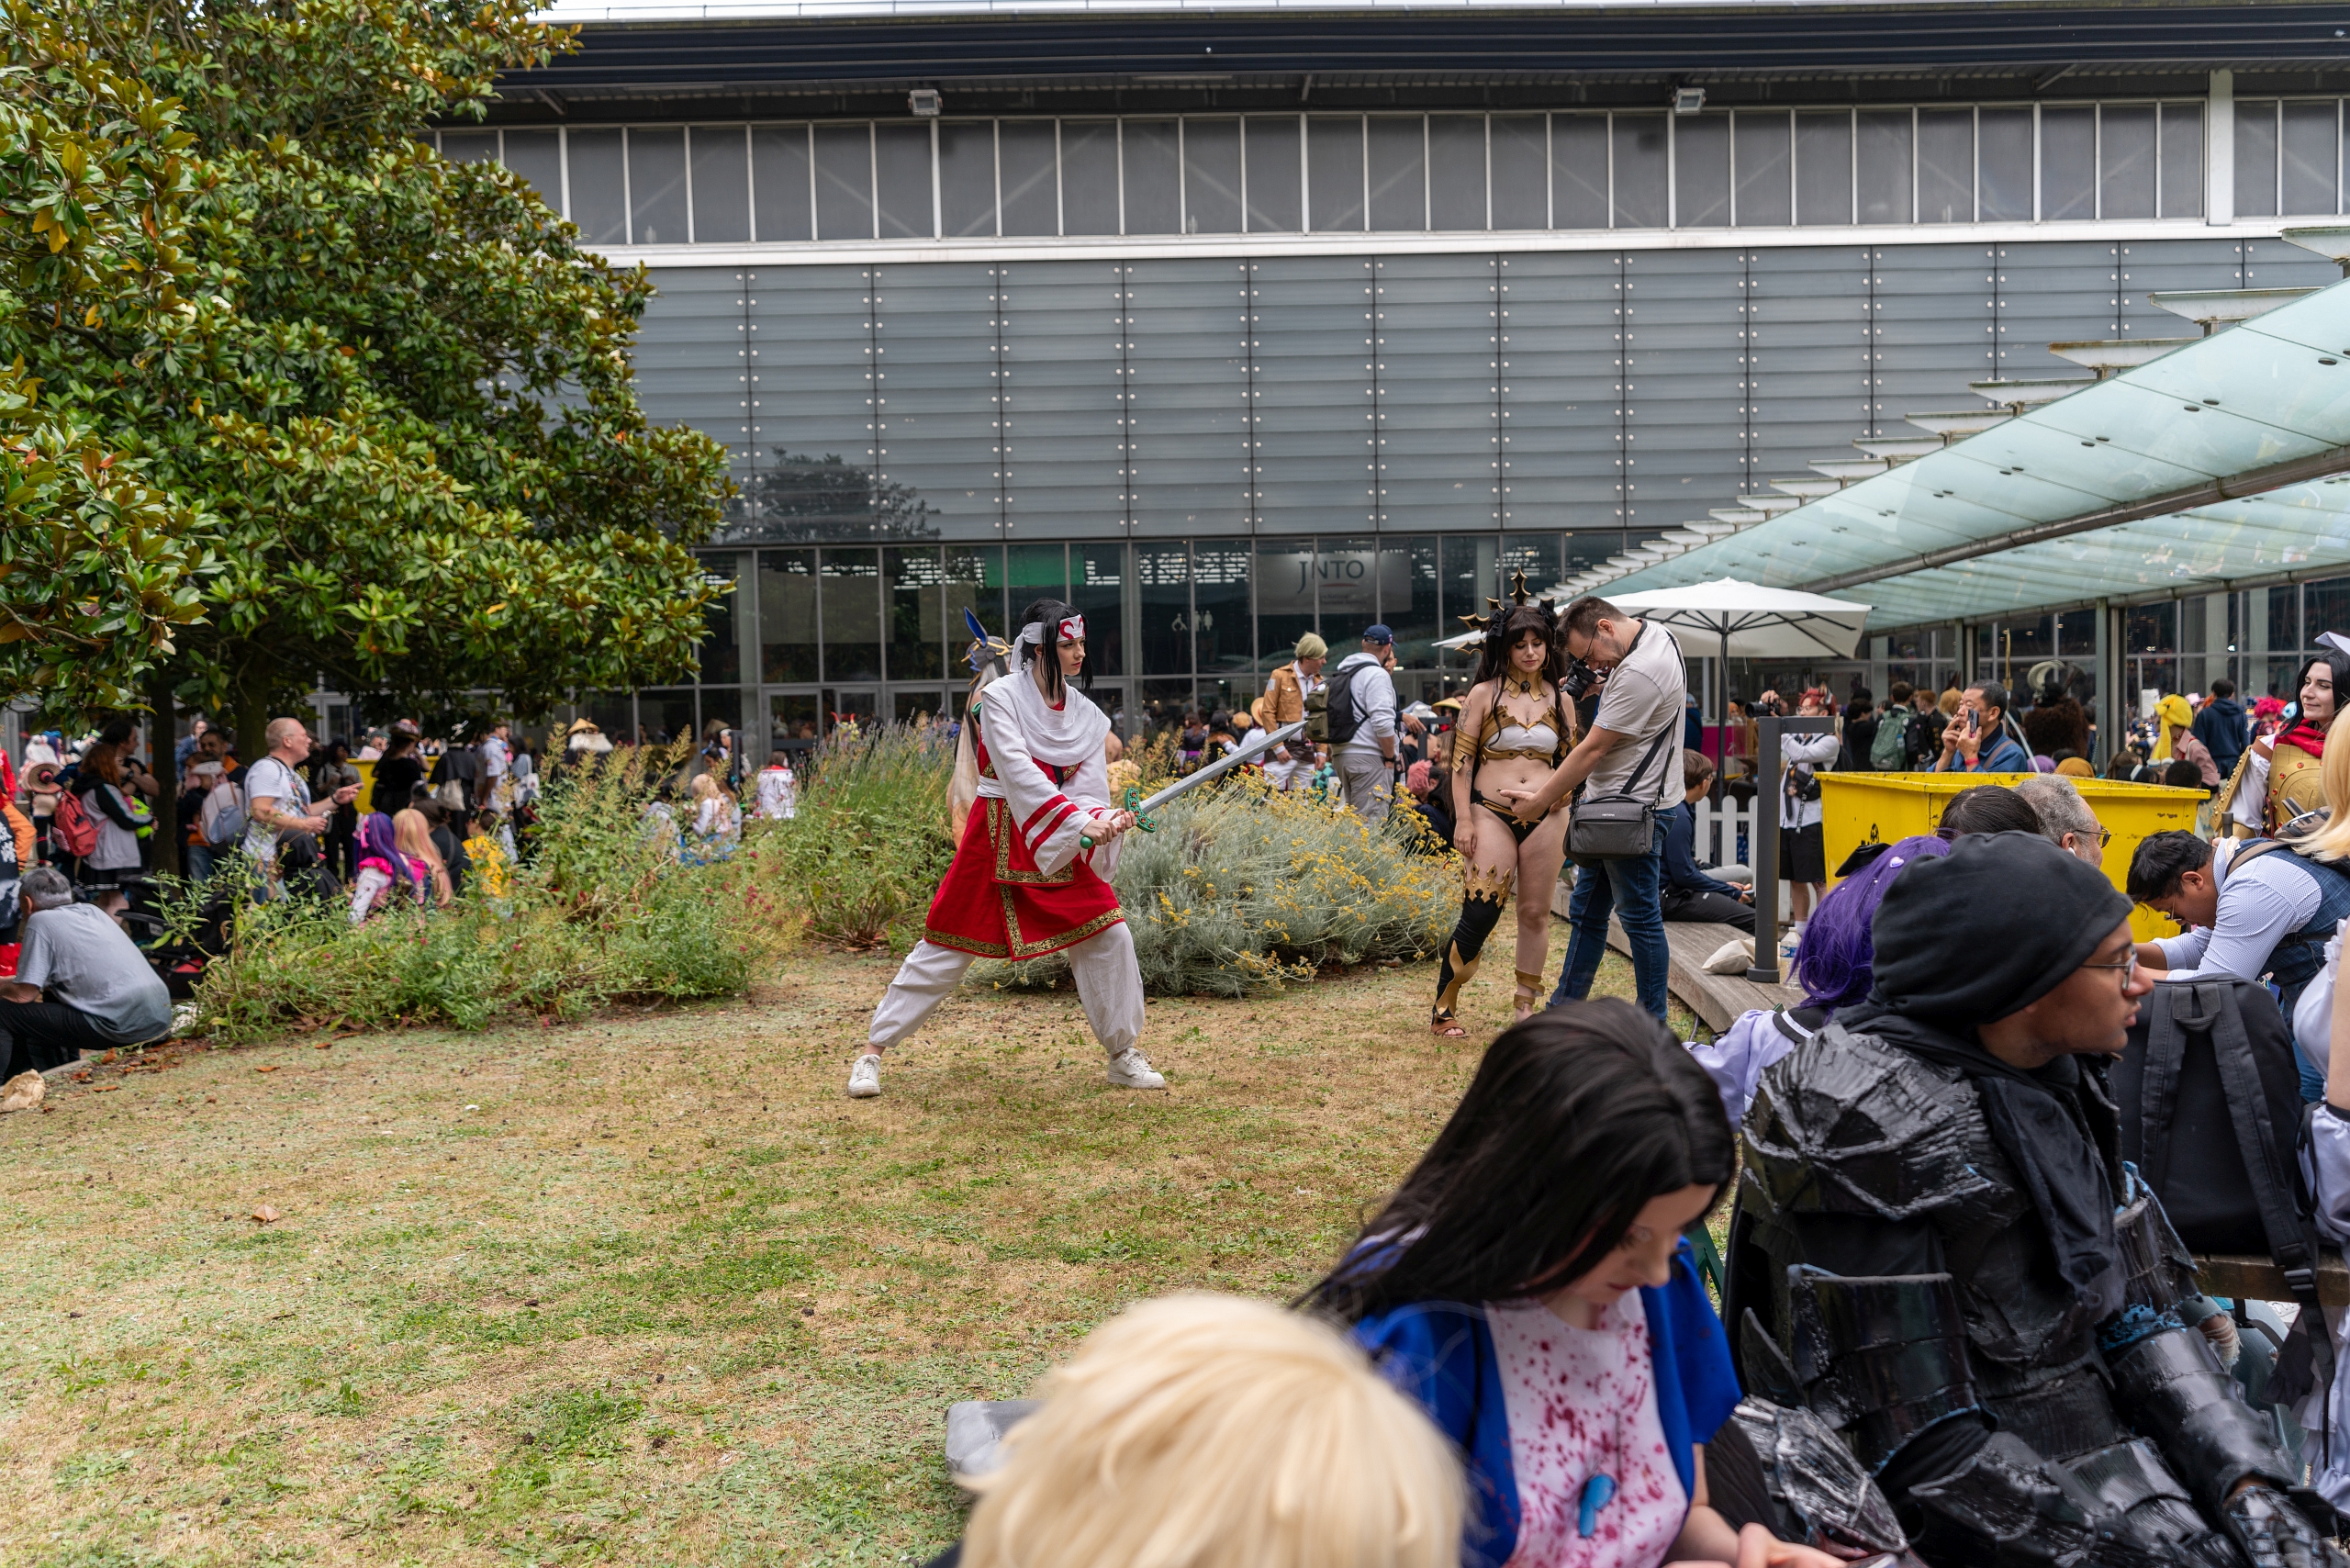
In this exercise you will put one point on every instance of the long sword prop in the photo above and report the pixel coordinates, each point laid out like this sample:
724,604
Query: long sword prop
1254,750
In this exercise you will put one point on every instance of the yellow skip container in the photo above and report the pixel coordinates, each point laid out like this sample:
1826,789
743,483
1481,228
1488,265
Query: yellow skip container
1865,808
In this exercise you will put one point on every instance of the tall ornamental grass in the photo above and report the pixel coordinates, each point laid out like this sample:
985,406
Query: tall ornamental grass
861,860
604,912
1244,888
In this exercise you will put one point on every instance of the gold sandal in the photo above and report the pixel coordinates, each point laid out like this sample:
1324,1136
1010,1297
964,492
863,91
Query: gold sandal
1444,1025
1529,997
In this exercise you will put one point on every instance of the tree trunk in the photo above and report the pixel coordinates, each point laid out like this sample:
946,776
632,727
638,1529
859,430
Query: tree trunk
163,728
252,700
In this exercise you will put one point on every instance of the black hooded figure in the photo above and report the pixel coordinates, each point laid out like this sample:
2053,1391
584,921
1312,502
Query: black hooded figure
1938,1249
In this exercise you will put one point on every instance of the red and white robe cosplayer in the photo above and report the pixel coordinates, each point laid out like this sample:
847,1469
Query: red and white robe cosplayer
1022,885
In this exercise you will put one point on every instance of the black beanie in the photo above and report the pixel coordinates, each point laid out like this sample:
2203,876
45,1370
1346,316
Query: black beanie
1989,928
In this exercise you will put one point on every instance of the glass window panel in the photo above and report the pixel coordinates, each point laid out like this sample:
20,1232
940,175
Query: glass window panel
1408,600
2285,617
852,607
1399,174
537,156
598,187
1536,555
665,716
843,182
1456,172
793,723
917,633
2256,158
1154,178
1025,164
1824,169
901,164
656,185
779,190
2003,163
721,185
2313,141
1334,173
2325,607
787,614
1098,590
1465,578
2182,160
1589,548
2125,161
1701,170
1945,165
1346,589
966,178
727,618
1163,582
1284,595
1088,176
2069,163
912,707
469,146
1212,176
974,583
1521,172
1037,571
1579,171
1274,203
1882,156
1221,640
2151,629
1766,199
1639,174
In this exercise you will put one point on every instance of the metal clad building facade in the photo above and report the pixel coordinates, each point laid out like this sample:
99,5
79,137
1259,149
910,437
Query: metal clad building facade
1225,358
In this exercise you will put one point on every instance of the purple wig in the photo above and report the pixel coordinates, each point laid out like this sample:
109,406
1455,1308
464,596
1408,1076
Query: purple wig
376,841
1834,957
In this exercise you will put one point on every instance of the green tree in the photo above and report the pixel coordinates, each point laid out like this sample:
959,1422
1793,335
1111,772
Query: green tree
98,565
394,391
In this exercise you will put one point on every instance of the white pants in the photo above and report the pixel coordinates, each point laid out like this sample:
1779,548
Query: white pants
1109,983
1369,780
1294,774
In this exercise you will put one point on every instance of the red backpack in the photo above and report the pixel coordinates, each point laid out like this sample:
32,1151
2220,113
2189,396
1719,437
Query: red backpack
70,828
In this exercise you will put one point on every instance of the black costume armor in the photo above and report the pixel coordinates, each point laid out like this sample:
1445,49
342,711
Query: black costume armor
1893,1268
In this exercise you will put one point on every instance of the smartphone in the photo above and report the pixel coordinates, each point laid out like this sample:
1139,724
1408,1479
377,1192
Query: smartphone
1973,721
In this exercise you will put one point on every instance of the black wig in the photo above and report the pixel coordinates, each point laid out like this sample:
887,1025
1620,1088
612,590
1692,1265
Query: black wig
1493,659
1051,613
1578,1118
2339,663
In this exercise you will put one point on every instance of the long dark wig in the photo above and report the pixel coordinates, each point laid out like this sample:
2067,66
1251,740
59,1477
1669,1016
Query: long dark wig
1493,659
1577,1118
2340,665
1052,612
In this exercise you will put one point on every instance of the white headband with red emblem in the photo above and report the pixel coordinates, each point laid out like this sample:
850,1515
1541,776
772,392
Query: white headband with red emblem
1070,629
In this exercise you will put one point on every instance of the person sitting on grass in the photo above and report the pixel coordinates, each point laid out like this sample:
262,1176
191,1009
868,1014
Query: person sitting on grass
1532,1286
102,992
1206,1431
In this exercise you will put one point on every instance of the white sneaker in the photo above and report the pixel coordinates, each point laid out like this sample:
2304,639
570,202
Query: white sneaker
1131,1070
865,1078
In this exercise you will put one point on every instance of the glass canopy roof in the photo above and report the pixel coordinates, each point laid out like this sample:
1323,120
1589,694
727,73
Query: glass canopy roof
1925,540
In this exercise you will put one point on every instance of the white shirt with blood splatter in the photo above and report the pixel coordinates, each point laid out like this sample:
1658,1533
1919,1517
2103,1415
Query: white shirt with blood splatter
1581,1401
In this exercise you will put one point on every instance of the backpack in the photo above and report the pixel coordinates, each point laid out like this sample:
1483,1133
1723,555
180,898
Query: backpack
71,829
226,807
2211,1116
1890,750
1330,716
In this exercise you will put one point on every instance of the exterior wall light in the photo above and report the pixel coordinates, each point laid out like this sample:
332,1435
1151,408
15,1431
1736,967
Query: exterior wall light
924,102
1688,100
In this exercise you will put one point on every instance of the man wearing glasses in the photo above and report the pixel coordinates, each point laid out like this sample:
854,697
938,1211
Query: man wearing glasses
2065,819
2253,909
1934,1236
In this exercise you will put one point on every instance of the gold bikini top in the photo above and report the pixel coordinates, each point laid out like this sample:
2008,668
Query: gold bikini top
1503,736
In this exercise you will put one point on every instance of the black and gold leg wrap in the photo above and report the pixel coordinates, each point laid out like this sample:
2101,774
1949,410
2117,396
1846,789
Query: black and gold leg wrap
1479,913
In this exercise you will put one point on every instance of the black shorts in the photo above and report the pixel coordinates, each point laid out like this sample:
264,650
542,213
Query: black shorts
1803,854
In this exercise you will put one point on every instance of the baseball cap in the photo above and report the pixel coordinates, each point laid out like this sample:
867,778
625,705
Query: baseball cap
1378,633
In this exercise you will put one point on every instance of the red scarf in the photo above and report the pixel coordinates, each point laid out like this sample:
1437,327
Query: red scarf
2305,737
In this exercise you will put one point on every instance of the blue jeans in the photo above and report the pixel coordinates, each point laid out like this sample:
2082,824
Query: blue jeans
1634,890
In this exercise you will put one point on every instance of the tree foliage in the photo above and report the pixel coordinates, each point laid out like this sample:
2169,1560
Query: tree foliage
390,394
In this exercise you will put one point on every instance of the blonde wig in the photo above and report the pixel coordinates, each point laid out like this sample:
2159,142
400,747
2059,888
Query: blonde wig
1208,1431
2332,841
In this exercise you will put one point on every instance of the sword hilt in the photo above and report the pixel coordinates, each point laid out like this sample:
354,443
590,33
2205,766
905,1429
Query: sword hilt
1134,804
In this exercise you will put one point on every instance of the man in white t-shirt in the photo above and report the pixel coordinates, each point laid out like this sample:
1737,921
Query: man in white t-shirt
277,797
1630,750
779,798
496,762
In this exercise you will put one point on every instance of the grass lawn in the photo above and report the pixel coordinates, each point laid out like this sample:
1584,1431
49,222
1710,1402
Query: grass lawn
648,1289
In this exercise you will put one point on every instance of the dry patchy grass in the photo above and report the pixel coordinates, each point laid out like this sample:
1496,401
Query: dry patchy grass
650,1289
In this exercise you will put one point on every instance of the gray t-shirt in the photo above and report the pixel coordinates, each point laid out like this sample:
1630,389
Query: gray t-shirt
270,779
81,958
1642,699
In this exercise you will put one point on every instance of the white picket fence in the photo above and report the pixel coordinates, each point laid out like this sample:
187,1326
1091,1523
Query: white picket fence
1722,828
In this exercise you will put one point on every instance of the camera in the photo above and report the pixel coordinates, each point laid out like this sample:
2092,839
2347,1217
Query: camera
1578,680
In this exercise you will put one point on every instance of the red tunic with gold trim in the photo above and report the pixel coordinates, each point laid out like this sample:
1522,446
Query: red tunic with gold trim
1022,885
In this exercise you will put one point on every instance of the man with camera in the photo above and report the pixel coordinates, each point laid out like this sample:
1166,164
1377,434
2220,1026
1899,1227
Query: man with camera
1975,740
1626,756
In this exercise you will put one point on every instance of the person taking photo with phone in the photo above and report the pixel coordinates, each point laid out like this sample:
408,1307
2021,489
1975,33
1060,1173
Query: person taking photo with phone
1975,740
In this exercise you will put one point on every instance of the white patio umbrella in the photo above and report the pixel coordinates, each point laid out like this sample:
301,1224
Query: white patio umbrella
1730,617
